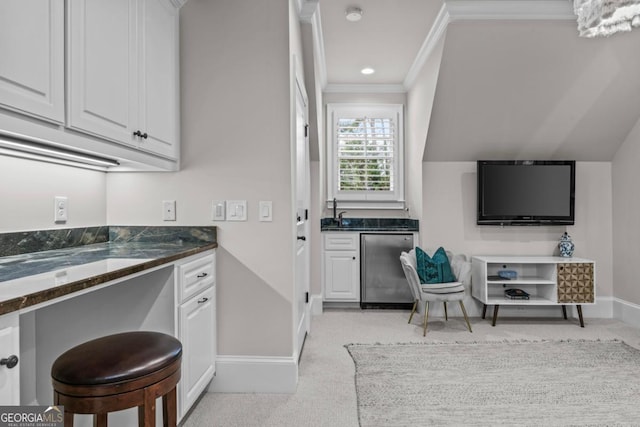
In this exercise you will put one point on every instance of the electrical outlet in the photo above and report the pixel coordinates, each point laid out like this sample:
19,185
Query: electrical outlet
168,210
61,208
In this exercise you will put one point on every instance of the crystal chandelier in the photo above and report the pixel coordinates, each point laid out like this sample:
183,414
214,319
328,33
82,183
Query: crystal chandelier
601,18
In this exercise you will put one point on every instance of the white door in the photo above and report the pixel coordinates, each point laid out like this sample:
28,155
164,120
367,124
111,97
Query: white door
32,57
302,189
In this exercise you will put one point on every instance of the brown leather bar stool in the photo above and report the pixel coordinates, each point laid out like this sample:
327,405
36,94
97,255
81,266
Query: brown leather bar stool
117,372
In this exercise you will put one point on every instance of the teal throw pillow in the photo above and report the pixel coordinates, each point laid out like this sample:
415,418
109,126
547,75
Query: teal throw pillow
434,269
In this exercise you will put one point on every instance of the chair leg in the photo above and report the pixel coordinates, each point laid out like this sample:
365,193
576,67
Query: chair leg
426,315
413,310
446,316
464,312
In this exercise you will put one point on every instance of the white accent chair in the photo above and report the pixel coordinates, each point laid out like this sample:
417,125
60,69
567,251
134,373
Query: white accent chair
436,292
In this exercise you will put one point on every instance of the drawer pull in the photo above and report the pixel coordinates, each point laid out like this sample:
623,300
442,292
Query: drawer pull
203,300
10,361
200,276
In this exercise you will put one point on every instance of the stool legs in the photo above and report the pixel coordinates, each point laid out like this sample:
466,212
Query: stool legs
169,409
99,420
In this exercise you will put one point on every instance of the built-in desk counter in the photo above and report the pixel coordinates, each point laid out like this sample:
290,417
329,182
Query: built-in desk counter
97,281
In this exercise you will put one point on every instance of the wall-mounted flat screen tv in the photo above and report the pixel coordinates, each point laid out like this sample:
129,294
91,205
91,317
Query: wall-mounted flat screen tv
526,192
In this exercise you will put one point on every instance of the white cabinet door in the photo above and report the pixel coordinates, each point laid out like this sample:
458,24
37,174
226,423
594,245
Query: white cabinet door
32,57
342,276
158,116
103,68
198,337
9,346
123,72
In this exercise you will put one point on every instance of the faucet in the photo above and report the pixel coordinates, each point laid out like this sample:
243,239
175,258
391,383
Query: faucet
340,218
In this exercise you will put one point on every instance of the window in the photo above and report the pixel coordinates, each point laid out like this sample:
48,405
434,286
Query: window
365,155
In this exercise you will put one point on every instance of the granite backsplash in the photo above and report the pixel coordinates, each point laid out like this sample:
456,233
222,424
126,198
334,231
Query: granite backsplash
24,242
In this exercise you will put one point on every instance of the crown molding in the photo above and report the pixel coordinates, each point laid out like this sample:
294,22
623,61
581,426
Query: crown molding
306,9
510,10
438,30
364,88
178,3
485,10
309,13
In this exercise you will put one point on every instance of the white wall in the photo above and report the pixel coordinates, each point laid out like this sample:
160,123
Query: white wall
419,105
29,187
626,222
449,220
235,91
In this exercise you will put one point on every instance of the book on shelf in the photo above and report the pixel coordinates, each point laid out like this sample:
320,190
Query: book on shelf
516,294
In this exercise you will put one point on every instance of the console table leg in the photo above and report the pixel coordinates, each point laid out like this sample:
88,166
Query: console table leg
564,311
495,314
484,310
579,307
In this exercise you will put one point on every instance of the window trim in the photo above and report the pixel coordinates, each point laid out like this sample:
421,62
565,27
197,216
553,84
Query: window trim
365,199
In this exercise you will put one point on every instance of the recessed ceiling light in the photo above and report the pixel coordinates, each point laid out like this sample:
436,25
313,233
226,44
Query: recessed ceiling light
354,14
367,71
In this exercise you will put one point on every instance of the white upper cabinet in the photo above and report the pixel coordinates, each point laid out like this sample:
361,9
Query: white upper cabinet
159,99
32,58
123,72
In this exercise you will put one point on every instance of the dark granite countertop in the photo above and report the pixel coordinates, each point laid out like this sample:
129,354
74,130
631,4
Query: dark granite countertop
369,224
30,278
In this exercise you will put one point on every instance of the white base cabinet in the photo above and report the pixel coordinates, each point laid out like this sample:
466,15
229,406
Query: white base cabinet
9,348
196,327
341,260
548,281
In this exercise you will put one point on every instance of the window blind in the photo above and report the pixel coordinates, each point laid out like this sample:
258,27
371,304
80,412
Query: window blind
365,149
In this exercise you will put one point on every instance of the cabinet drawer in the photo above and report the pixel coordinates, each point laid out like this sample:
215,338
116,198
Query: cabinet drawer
194,276
341,241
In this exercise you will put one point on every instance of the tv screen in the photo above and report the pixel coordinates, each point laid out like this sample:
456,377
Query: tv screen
530,192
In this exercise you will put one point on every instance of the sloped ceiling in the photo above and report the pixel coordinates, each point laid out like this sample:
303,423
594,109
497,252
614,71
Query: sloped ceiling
533,90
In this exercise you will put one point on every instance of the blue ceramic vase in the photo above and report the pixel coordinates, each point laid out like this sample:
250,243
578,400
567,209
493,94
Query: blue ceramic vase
566,246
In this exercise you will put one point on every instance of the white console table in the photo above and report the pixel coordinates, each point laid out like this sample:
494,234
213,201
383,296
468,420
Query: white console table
548,281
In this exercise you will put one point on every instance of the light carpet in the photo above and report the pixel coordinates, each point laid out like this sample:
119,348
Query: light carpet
543,383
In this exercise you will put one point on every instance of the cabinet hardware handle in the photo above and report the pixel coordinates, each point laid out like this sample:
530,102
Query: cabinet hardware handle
203,300
10,361
140,134
302,238
354,258
200,276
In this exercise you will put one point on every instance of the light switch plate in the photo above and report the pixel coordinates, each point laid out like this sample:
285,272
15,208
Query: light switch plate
265,210
236,210
218,210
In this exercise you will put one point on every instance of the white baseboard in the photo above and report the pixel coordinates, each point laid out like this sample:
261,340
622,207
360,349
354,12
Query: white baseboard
249,374
316,305
626,312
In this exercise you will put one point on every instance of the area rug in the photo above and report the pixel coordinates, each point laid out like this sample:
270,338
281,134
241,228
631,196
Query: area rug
542,383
